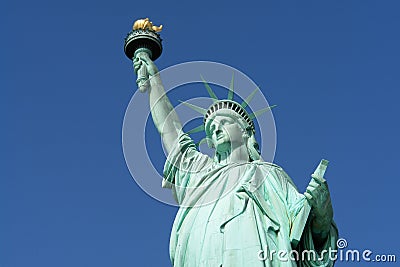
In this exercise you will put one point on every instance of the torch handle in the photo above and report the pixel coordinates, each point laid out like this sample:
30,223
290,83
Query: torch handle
142,80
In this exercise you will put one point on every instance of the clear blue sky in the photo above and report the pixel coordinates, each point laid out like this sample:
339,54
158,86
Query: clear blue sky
66,195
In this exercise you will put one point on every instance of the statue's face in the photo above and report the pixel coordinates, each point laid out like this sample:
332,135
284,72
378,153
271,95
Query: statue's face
225,133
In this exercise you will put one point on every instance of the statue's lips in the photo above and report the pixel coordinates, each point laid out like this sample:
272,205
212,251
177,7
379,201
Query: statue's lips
219,136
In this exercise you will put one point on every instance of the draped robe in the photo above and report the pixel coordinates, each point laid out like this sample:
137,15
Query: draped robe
231,213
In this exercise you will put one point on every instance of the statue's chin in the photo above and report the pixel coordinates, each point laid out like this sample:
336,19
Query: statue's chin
223,147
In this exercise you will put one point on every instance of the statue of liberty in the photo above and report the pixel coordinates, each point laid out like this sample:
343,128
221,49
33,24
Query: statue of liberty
235,209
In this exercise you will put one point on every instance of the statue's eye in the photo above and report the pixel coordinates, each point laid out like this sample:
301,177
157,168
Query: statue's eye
230,121
212,128
226,121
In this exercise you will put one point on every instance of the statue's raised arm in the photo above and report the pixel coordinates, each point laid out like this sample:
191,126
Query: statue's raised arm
164,116
235,208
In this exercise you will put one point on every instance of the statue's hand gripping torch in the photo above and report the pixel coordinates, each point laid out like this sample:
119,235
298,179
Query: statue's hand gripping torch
142,42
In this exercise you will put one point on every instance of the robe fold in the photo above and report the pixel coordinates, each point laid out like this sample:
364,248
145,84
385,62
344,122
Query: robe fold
237,214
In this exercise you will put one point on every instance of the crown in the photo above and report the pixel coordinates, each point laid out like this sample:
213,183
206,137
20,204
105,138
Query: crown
230,105
239,110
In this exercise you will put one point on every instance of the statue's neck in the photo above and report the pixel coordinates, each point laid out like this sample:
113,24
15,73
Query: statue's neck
234,155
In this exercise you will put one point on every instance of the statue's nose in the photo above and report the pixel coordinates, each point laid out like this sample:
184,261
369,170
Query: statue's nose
217,132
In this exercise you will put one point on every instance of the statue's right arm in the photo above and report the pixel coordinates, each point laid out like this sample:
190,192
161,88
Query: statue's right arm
164,116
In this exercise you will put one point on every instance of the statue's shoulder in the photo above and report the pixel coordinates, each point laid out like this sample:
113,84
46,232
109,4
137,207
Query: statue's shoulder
269,167
266,164
275,172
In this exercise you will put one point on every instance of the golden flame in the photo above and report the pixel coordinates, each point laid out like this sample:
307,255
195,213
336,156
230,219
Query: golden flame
146,24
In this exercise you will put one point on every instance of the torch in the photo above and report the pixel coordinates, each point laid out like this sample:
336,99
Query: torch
143,38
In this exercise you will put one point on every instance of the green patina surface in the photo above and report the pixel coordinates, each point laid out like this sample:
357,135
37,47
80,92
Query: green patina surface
235,209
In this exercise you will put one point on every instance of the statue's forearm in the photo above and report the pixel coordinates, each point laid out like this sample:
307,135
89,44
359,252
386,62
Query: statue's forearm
164,116
320,228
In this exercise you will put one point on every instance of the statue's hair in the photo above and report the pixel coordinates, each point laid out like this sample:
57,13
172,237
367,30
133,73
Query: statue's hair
252,146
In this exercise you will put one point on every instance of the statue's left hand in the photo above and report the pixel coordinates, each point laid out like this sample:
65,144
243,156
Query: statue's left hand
317,194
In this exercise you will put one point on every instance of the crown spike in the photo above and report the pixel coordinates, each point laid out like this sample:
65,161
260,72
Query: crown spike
261,111
194,107
231,88
209,90
198,129
246,102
